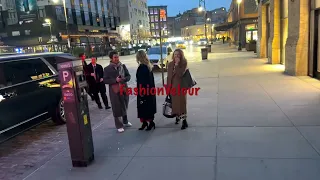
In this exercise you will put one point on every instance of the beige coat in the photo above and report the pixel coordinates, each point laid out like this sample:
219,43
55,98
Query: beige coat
179,102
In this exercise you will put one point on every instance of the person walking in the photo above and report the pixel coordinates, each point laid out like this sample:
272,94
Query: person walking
117,75
86,74
176,68
146,101
96,83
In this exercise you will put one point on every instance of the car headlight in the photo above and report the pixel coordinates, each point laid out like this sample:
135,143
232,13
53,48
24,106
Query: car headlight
199,42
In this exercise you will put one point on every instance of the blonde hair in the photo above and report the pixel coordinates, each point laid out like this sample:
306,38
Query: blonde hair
142,58
183,59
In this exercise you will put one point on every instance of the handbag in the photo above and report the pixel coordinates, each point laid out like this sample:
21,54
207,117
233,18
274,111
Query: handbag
187,80
167,108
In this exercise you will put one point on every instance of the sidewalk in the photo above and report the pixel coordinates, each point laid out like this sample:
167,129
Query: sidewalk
250,122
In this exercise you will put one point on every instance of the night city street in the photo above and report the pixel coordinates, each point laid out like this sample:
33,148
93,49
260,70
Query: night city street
242,99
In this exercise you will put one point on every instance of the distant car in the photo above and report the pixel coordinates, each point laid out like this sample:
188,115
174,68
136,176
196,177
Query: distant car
155,56
30,90
181,45
202,42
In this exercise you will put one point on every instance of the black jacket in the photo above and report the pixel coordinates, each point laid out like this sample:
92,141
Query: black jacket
146,103
98,71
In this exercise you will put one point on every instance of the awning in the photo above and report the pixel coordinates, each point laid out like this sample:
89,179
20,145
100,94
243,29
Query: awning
225,26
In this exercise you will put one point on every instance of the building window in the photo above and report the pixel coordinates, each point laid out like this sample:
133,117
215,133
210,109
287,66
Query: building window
151,10
130,3
131,14
15,33
152,25
151,18
155,11
156,19
157,26
27,32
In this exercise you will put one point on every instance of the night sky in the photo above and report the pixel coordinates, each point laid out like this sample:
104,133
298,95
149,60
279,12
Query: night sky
174,6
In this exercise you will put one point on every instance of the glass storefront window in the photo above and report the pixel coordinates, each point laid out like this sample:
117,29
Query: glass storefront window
248,36
255,35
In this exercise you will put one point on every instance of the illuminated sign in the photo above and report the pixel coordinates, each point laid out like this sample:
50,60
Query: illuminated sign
162,13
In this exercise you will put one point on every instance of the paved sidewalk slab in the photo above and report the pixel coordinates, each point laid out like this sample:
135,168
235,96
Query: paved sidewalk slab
250,121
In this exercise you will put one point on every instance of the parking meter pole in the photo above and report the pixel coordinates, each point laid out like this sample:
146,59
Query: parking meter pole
77,115
161,57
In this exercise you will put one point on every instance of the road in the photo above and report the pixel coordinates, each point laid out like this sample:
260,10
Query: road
26,152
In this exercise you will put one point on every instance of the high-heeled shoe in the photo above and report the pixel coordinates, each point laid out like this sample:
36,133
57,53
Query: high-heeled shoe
144,125
184,124
151,125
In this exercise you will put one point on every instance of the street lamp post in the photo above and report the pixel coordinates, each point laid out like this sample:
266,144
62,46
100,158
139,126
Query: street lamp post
212,29
66,17
206,16
139,33
209,20
239,27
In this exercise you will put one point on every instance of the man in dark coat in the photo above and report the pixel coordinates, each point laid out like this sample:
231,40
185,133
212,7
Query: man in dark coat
96,83
86,74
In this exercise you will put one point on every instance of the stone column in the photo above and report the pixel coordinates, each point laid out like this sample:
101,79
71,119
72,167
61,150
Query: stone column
262,32
296,62
274,39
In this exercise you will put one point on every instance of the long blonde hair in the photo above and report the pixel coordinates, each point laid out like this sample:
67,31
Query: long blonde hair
142,58
183,59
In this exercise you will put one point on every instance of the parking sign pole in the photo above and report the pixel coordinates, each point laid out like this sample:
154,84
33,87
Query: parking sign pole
161,14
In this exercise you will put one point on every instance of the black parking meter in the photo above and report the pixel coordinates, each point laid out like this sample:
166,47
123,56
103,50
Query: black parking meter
77,115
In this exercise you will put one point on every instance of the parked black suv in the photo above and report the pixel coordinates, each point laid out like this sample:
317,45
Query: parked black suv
30,91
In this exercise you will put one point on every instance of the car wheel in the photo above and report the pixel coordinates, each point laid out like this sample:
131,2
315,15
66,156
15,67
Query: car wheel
58,117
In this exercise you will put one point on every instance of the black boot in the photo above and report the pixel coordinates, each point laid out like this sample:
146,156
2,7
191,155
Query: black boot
151,125
99,106
177,120
144,125
184,124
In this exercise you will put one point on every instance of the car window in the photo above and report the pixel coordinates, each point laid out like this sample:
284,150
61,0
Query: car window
52,61
16,72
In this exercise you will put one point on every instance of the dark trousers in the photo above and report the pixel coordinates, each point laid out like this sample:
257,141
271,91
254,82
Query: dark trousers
100,88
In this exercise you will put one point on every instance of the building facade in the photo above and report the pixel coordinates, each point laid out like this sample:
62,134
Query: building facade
25,25
289,35
192,17
134,20
242,22
157,23
218,16
177,26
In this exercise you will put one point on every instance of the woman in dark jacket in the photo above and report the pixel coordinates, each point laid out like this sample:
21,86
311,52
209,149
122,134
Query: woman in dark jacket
146,102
